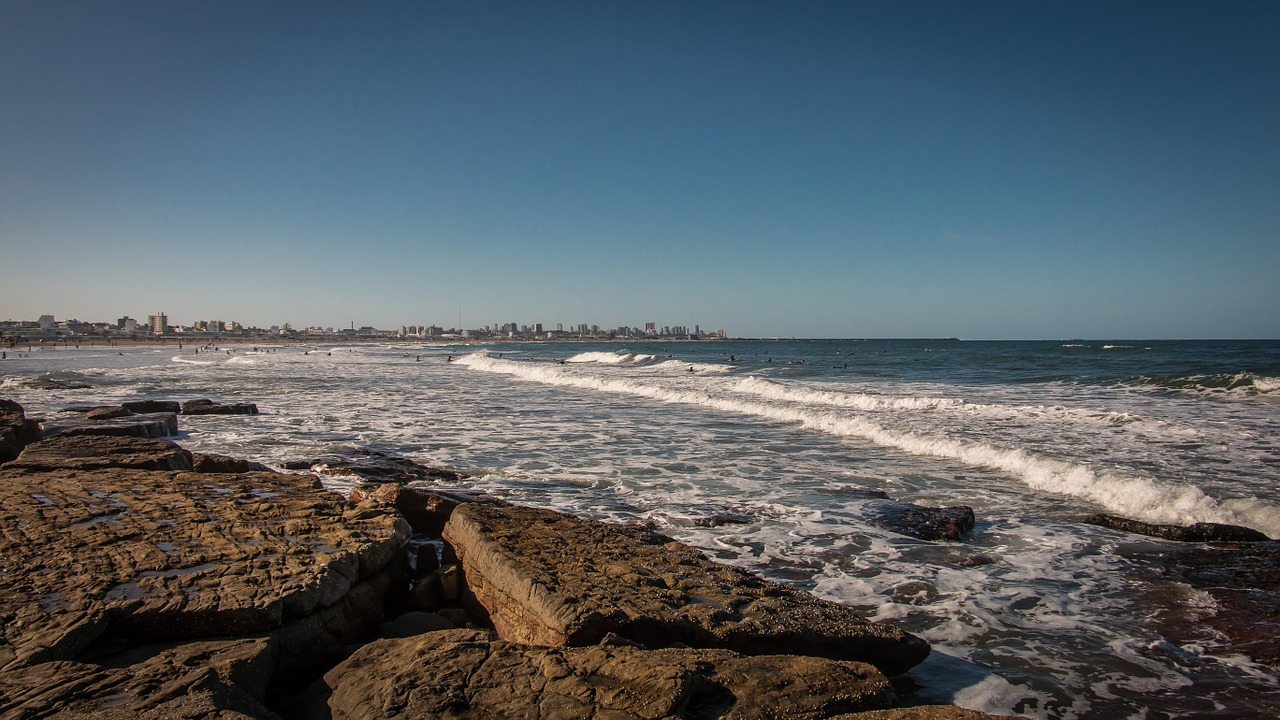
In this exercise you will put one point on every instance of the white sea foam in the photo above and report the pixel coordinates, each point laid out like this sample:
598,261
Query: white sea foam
188,361
1266,384
1133,496
610,358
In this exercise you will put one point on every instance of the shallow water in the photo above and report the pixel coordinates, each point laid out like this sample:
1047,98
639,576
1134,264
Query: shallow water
1036,614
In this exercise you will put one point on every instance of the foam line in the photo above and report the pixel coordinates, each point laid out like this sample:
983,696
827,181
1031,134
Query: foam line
1142,498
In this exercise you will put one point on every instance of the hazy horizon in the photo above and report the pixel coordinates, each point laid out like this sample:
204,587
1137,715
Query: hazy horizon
825,170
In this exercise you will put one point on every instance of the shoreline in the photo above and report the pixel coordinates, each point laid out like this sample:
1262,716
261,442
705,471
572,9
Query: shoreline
280,592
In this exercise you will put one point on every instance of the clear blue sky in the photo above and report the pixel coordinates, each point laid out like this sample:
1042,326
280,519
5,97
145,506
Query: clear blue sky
970,169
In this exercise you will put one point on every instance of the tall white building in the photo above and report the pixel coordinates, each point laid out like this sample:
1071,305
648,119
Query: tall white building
158,323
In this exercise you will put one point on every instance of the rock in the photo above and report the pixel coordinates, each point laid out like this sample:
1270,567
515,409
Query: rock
1244,582
414,623
154,425
16,431
1199,532
88,452
222,678
427,560
209,407
551,579
208,463
373,466
152,406
107,413
426,510
723,518
950,523
464,674
152,556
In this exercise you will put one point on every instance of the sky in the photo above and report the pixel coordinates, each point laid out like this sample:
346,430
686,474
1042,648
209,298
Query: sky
983,170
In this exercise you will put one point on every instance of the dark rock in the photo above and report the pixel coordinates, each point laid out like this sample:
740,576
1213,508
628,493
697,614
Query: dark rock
464,674
949,523
547,578
427,559
1199,532
374,467
208,463
723,518
154,425
16,430
152,406
209,407
414,623
89,452
107,413
1244,582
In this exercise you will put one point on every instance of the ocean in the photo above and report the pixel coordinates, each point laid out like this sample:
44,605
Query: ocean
795,443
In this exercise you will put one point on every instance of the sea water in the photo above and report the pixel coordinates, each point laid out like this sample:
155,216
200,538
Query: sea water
1035,614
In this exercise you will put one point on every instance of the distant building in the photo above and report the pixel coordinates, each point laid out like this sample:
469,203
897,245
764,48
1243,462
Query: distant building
158,323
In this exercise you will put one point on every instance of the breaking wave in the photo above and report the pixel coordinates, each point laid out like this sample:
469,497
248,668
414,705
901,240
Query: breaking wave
1144,498
1242,382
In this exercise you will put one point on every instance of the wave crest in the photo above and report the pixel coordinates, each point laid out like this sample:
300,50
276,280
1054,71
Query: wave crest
1139,497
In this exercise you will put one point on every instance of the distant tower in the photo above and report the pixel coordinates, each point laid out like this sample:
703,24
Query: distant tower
159,323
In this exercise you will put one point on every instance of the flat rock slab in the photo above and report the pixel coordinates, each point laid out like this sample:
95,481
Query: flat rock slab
215,679
1198,532
152,406
153,425
210,463
209,407
464,674
150,555
546,578
89,452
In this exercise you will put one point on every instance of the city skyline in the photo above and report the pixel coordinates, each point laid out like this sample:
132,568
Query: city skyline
158,325
833,169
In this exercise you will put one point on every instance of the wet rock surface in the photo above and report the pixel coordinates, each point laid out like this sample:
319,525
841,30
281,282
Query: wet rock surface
208,407
926,523
373,466
1244,582
16,430
1199,532
90,452
465,674
152,406
210,463
550,579
152,425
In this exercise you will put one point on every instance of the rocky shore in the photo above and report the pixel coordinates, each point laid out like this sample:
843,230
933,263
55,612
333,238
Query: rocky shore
141,580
